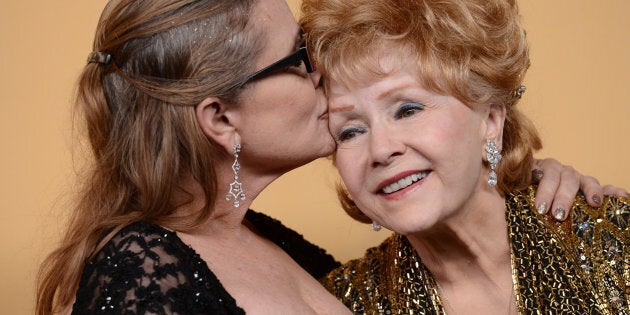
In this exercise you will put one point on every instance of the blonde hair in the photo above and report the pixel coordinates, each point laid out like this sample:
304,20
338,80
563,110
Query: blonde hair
139,114
474,50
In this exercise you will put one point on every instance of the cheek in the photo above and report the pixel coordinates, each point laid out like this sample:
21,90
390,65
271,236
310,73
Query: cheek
349,169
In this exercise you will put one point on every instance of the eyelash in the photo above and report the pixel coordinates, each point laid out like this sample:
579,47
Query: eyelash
349,133
407,109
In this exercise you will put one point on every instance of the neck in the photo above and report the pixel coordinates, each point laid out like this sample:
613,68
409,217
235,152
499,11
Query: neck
473,244
226,220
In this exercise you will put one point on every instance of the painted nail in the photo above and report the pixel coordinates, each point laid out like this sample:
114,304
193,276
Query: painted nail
597,200
558,213
542,207
537,175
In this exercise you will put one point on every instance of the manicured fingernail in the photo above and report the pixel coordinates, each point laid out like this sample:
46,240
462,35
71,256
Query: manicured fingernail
597,199
558,213
537,175
542,207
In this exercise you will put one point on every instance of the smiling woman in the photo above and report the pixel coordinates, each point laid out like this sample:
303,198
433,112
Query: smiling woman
431,144
393,117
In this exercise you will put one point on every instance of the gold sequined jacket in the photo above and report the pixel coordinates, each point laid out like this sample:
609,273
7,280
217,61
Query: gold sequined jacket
581,266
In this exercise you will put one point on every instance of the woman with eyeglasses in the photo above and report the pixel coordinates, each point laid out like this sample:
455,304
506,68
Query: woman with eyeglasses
431,144
191,109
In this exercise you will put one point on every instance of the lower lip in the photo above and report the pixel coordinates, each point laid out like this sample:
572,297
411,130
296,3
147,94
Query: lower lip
401,193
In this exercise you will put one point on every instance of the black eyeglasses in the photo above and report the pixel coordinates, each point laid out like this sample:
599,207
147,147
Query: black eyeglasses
294,59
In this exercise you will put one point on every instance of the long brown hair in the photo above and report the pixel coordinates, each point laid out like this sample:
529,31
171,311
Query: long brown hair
475,50
139,115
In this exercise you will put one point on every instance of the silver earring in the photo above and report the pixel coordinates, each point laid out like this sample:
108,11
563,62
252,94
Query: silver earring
494,156
375,226
236,188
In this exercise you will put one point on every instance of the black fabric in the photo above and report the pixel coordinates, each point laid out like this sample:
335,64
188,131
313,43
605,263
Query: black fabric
146,269
309,256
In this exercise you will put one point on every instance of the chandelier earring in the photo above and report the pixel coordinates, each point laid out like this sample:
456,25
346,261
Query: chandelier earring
236,188
493,154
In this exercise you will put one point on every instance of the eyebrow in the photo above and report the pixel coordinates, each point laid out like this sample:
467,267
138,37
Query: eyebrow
341,109
379,97
394,90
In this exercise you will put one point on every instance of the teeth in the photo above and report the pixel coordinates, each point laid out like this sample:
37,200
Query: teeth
404,182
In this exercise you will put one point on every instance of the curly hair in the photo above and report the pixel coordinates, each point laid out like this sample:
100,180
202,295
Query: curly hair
474,50
139,116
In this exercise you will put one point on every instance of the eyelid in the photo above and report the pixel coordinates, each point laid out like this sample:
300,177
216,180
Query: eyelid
349,129
407,105
415,104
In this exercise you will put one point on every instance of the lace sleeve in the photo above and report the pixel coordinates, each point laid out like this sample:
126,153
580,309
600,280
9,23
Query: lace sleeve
141,271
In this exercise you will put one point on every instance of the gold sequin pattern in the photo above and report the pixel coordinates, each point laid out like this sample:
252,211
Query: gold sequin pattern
581,266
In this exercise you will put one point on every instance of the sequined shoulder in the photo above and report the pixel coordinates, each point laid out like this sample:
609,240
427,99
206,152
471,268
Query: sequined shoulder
389,279
579,266
356,282
145,269
600,239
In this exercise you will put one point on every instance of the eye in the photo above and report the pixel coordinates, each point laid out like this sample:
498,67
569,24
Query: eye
408,109
349,133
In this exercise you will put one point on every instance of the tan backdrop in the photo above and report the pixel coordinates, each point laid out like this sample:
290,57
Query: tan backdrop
577,94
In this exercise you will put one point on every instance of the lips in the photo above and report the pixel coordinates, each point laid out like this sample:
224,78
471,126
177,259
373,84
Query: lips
401,181
324,115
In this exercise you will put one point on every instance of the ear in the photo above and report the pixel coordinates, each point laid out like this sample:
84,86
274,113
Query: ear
494,121
216,119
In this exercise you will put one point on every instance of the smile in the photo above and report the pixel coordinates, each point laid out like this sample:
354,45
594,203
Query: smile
404,182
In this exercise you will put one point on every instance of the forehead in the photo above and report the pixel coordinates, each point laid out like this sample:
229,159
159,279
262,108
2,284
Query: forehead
381,60
385,64
275,21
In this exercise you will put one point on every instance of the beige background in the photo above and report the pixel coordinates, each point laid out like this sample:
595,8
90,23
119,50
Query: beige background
577,94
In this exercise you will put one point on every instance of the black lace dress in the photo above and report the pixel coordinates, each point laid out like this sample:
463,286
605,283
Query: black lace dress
146,269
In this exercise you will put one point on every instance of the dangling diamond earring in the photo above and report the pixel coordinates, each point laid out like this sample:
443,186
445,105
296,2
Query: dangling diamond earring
375,226
494,156
236,188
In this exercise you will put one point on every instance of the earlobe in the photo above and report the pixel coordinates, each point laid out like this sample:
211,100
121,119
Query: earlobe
217,122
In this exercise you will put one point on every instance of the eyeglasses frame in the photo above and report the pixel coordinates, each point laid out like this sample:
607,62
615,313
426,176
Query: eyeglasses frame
301,55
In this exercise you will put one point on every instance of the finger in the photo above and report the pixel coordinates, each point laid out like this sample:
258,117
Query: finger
565,194
592,190
537,175
611,190
548,185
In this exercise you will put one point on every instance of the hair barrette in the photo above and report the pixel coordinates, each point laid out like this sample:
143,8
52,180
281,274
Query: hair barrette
99,57
518,93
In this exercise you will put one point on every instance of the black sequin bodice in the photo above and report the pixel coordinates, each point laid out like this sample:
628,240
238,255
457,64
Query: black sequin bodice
146,269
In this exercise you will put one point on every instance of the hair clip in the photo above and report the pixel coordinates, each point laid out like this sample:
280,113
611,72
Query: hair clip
519,92
99,57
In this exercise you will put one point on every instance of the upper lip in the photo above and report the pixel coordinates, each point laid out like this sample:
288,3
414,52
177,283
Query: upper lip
395,178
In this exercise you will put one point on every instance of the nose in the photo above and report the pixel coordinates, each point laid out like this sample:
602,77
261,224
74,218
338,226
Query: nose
316,77
385,145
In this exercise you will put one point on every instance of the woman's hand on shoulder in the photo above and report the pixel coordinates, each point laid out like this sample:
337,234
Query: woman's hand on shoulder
558,185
